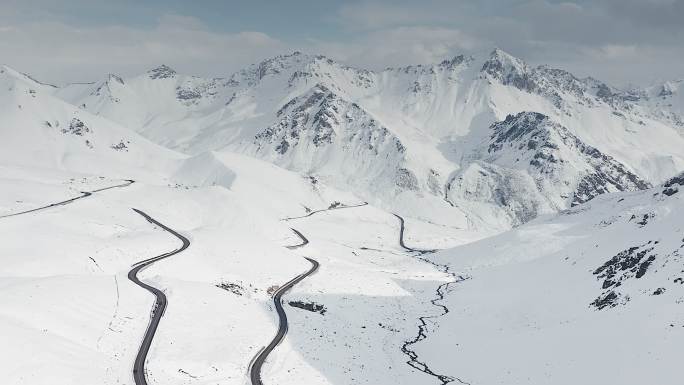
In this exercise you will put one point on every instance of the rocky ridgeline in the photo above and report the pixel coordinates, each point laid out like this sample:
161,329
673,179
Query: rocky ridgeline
553,153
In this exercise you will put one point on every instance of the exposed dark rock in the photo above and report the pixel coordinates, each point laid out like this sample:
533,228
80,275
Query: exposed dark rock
643,267
627,264
406,179
231,287
195,89
672,185
659,291
310,306
609,299
644,219
624,265
184,94
121,146
300,119
282,147
76,127
161,72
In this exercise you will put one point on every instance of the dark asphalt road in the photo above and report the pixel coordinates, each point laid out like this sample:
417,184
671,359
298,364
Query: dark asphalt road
401,239
328,209
160,299
62,203
255,370
302,237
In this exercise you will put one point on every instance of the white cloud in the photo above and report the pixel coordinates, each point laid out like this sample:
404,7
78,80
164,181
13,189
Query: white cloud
60,52
400,46
378,15
613,51
618,41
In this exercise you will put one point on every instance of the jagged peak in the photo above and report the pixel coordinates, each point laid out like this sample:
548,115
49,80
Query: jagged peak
503,65
313,96
501,55
295,65
161,72
286,60
456,61
298,58
525,118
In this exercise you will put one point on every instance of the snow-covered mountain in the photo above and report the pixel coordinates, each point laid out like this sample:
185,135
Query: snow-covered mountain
598,286
414,133
532,166
40,130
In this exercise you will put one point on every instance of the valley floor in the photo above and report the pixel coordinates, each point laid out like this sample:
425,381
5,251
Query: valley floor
517,305
70,313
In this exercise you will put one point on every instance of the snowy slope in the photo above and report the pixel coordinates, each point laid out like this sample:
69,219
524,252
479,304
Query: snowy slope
69,312
562,298
40,130
154,99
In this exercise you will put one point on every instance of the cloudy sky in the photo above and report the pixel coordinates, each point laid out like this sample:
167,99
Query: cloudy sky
620,41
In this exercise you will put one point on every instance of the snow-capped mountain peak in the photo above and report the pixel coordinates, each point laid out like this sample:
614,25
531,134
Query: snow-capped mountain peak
294,110
162,72
506,68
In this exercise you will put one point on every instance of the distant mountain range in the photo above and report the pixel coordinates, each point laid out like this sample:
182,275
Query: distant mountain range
488,138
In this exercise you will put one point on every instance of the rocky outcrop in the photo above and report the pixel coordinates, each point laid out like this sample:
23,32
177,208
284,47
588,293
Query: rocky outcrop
162,72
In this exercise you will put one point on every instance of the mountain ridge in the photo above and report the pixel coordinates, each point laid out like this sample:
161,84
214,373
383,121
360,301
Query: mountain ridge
439,114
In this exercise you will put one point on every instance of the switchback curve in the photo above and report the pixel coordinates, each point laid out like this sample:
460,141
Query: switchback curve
160,299
255,370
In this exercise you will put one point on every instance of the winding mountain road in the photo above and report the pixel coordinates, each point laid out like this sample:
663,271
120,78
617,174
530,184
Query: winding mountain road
160,299
262,355
85,194
302,237
260,358
255,370
401,238
341,206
